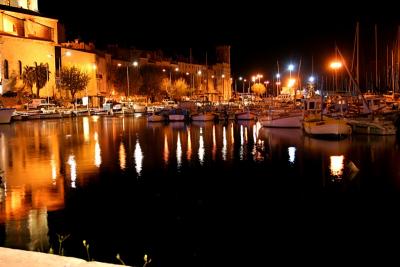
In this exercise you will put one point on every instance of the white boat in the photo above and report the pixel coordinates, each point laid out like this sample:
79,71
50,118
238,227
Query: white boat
203,117
245,115
6,114
282,120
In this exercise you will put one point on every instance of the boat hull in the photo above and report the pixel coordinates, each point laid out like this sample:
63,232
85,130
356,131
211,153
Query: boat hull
6,114
281,122
330,128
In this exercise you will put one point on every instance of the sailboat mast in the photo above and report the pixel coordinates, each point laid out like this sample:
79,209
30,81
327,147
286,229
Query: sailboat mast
376,56
358,53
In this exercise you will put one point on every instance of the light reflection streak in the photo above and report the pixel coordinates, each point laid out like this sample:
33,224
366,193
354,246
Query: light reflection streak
189,146
214,150
179,152
224,143
72,164
166,150
292,154
241,135
201,147
138,155
232,134
122,156
53,170
97,151
246,139
86,129
337,165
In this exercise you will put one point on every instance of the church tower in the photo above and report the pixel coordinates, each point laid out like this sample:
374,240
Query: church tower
26,4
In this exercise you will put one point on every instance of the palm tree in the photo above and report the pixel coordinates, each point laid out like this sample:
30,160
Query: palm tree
41,76
28,76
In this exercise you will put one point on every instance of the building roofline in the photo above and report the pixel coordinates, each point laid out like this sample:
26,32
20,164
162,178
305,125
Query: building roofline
24,11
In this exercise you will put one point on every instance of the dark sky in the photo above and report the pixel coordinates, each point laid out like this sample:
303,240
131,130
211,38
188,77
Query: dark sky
260,33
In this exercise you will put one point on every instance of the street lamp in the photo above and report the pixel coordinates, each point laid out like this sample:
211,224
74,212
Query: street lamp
290,68
335,65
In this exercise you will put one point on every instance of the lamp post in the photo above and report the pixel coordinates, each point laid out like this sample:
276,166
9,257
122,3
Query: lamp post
278,83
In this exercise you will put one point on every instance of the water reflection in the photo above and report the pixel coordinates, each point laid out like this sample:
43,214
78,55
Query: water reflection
166,150
179,152
189,145
201,147
336,166
97,151
224,143
122,156
138,155
39,161
292,154
72,164
86,129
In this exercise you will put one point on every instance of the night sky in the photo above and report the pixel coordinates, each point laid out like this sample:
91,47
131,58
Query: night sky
260,33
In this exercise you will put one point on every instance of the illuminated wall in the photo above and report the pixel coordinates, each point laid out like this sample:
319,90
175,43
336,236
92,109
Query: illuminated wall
29,52
91,64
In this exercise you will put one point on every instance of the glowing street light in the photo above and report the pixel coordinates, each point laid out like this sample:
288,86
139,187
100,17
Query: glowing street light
335,65
290,68
311,79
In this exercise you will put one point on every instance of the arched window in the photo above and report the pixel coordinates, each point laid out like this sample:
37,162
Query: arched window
6,69
20,68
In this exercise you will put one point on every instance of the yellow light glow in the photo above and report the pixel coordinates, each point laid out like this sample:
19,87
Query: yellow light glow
291,82
337,165
232,135
86,130
122,156
97,151
335,65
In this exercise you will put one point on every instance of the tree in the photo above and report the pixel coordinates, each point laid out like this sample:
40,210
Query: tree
74,80
36,75
166,87
258,88
151,80
181,87
41,76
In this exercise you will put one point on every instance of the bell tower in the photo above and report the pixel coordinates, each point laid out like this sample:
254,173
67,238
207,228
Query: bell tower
26,4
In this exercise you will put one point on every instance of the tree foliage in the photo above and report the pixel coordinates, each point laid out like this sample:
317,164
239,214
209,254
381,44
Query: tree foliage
181,87
258,88
74,80
35,75
28,77
41,76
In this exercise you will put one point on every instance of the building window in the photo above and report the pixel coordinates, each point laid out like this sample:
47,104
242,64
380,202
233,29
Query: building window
5,69
20,68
